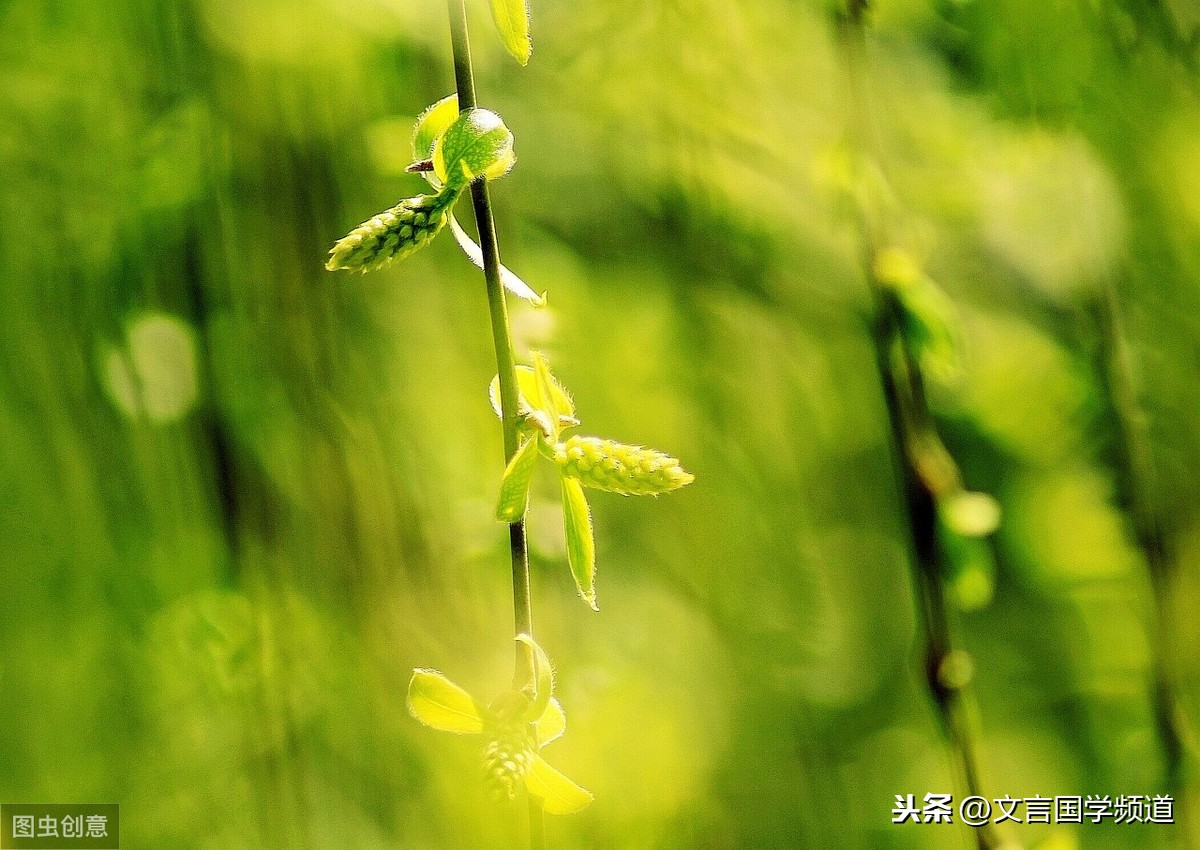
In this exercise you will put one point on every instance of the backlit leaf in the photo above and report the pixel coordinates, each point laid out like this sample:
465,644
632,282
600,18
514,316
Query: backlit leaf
440,704
514,489
556,794
543,676
512,21
477,144
527,387
551,725
510,281
431,124
581,545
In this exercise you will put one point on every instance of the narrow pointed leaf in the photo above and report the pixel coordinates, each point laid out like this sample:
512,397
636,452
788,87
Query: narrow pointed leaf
544,398
551,725
512,21
544,677
440,704
581,545
514,489
510,281
556,794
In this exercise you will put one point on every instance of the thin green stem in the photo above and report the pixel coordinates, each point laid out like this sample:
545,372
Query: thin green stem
525,672
1135,469
923,466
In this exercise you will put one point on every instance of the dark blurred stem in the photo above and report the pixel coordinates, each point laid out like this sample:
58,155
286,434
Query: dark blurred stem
1135,469
525,674
923,467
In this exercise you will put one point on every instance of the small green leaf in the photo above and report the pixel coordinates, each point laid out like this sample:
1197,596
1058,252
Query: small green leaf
477,144
431,124
581,544
510,281
440,704
514,489
556,794
551,725
512,21
543,676
544,398
527,388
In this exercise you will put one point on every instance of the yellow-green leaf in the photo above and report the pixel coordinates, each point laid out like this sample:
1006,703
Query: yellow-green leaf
477,144
581,545
512,21
544,398
527,388
431,124
510,281
514,489
543,676
551,724
440,704
556,794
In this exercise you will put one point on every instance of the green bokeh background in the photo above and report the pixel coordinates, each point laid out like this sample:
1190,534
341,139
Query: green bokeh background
242,497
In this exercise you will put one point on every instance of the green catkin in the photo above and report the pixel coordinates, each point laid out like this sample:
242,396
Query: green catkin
392,234
507,757
618,468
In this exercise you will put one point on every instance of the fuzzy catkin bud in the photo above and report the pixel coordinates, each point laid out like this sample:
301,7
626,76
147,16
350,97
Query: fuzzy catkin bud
392,234
507,757
618,468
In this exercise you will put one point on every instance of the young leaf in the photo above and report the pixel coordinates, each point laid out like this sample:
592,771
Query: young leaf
557,794
514,489
551,725
510,281
545,398
527,385
440,704
477,144
581,544
431,124
512,21
544,674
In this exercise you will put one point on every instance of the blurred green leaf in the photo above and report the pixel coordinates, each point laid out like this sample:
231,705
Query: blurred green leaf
556,794
543,676
552,724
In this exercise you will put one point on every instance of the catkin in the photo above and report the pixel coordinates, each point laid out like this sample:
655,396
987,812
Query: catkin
507,757
618,468
392,234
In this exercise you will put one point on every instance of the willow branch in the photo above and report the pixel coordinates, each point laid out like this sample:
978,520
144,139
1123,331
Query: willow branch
525,672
